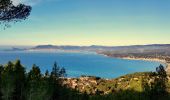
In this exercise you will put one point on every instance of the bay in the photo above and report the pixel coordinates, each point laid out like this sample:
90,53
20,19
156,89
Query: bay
80,63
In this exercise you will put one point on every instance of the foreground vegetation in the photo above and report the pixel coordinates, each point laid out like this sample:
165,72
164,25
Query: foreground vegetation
17,84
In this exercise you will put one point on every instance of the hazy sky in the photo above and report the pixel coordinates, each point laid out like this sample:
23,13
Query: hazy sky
92,22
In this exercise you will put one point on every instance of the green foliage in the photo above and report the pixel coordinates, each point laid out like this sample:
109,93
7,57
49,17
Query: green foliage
13,13
16,84
158,87
63,72
8,81
55,71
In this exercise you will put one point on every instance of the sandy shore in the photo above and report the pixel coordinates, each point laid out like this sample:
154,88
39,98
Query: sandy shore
148,59
152,59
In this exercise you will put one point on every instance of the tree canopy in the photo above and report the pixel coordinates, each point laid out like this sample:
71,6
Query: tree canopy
13,13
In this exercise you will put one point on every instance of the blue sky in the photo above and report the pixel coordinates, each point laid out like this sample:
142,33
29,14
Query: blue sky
92,22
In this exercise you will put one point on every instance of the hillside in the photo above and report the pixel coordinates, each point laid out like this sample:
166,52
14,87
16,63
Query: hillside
133,48
160,48
93,85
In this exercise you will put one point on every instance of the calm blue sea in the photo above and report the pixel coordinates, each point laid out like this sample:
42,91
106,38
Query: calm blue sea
78,64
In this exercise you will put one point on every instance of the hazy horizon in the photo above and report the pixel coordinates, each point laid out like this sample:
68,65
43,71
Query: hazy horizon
75,45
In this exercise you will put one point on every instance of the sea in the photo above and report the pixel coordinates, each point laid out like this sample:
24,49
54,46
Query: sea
80,63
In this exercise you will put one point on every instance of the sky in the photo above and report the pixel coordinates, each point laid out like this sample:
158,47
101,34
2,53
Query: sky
91,22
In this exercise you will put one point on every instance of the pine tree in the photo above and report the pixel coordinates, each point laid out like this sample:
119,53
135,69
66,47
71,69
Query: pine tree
63,72
33,83
8,81
55,71
158,87
19,74
46,73
13,13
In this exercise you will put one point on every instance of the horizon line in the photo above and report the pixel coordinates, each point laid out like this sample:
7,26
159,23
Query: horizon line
86,45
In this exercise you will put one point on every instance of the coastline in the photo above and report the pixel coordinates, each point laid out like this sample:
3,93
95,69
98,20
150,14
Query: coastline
147,59
167,65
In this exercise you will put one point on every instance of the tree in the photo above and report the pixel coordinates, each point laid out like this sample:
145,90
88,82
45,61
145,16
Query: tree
55,71
63,72
55,81
34,83
161,71
8,81
158,86
46,73
16,84
19,74
35,73
13,13
161,79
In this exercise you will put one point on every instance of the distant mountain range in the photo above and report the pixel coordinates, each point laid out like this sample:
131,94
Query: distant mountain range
97,48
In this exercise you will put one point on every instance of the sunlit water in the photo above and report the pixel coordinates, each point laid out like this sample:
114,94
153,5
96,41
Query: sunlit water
77,64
